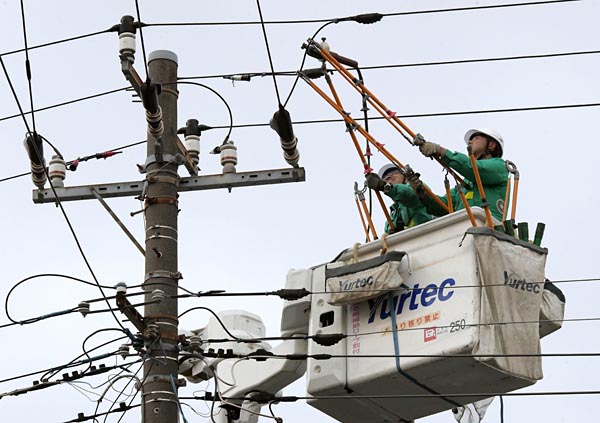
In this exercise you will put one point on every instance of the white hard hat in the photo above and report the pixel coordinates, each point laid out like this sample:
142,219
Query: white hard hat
386,168
492,133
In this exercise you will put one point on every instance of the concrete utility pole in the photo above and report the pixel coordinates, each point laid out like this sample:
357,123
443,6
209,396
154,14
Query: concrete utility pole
165,152
159,390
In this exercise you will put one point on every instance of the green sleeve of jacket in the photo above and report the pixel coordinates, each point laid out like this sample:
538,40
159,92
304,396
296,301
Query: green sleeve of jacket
404,194
492,171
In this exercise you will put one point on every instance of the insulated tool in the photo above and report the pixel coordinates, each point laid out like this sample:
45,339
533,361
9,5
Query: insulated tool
512,168
448,196
361,197
315,49
484,202
355,125
358,195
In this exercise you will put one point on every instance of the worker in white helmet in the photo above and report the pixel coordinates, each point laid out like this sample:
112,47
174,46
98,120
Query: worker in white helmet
487,146
407,210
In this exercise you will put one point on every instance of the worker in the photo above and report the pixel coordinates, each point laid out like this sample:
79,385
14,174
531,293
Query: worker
487,146
407,211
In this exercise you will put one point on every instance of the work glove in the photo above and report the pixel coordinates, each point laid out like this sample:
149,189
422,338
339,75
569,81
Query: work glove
281,123
419,140
414,180
429,149
375,182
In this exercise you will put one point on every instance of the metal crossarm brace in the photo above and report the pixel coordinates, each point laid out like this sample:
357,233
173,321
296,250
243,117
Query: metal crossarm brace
192,183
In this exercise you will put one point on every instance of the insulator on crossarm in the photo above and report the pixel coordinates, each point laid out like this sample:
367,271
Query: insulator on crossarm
127,37
192,132
229,157
57,171
121,287
290,152
192,144
35,151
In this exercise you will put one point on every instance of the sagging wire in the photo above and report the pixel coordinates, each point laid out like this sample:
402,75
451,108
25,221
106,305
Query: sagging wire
216,316
59,203
48,373
111,378
231,125
231,404
57,275
132,377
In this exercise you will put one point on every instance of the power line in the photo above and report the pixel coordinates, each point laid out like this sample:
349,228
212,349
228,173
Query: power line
137,9
53,106
404,396
294,73
264,31
424,115
72,363
336,20
306,21
51,43
27,65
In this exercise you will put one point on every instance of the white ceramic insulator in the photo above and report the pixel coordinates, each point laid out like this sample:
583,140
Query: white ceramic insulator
127,43
324,45
57,171
229,157
192,145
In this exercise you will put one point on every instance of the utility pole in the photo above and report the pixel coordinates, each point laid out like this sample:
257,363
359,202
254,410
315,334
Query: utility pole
159,386
165,152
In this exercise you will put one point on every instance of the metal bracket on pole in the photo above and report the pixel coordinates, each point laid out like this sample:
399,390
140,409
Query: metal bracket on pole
131,75
192,183
132,314
116,218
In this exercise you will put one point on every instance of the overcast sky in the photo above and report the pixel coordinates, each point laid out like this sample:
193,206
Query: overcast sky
248,239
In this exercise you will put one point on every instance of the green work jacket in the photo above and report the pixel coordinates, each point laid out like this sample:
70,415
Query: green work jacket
494,178
407,210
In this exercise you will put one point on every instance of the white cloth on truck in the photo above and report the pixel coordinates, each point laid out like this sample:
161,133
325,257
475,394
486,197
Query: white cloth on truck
366,279
511,273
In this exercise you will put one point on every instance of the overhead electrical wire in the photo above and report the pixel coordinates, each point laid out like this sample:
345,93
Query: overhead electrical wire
380,332
72,363
65,103
337,121
58,202
115,28
28,66
335,20
354,396
264,32
294,73
137,10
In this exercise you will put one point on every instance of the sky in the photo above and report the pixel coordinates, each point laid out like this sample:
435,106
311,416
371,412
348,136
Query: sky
248,239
